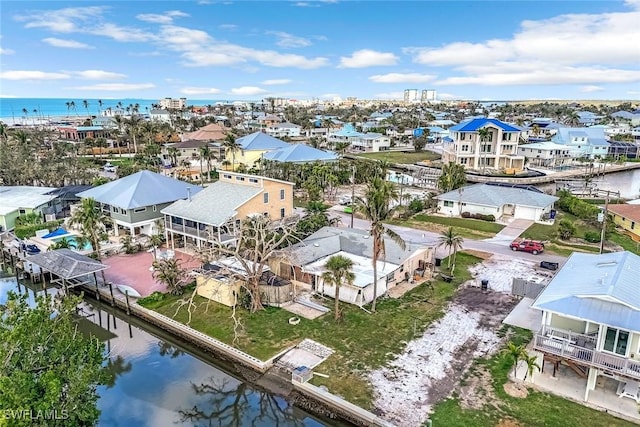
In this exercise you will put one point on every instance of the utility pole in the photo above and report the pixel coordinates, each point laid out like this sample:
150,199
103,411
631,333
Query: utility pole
604,222
353,192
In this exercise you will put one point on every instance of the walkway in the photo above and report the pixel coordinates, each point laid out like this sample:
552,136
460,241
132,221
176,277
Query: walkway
514,228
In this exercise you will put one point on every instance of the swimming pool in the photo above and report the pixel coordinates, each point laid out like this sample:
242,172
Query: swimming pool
73,243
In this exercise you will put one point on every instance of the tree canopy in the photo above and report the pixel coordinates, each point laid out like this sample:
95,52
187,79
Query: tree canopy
49,370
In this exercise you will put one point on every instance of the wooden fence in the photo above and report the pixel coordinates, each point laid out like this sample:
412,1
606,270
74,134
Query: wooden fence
525,288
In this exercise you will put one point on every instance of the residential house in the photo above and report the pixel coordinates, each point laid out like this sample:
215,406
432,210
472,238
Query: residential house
214,214
303,263
583,142
21,200
500,200
135,202
627,217
498,152
161,116
631,117
300,153
591,317
284,129
80,133
546,154
369,142
588,118
189,150
618,149
252,147
210,132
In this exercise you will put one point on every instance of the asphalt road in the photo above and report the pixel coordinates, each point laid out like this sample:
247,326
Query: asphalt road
411,235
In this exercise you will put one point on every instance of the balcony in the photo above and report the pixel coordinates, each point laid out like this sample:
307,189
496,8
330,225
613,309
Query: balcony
580,348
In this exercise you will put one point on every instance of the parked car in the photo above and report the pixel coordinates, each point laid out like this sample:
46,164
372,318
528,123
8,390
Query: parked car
549,265
345,200
530,246
109,167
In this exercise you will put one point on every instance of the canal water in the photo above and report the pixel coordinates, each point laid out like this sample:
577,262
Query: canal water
159,382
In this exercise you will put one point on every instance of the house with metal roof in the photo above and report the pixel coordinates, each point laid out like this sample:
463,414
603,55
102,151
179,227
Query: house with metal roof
21,200
303,263
591,317
252,147
546,154
135,202
583,142
215,213
359,141
501,201
300,153
627,217
498,150
284,129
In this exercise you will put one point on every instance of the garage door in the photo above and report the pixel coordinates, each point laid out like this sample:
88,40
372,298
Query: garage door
525,213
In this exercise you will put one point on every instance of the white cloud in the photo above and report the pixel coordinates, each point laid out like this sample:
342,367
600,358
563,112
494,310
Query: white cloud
121,34
288,41
276,82
449,96
368,58
98,75
402,78
165,18
71,44
116,87
32,75
573,48
248,91
4,51
330,95
591,88
199,90
389,95
230,27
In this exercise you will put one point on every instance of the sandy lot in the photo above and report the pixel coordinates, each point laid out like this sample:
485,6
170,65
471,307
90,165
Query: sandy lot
431,366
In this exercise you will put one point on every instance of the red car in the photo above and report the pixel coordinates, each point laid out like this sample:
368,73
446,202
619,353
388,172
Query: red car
530,246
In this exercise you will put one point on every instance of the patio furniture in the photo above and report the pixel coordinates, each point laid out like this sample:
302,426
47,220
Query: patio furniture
630,389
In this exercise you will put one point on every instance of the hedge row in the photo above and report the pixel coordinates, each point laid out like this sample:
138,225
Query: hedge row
482,217
25,231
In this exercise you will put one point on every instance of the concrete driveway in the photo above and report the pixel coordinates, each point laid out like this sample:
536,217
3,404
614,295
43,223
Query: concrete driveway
513,230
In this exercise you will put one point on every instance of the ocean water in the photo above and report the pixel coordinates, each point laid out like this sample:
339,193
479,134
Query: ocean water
11,109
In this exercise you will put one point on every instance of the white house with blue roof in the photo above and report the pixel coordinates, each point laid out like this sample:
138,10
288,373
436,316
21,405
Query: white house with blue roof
583,142
498,151
591,318
369,142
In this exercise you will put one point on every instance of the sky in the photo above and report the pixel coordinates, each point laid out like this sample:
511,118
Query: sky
243,50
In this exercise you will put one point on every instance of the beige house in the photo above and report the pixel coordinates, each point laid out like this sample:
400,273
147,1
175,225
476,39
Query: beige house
303,263
214,214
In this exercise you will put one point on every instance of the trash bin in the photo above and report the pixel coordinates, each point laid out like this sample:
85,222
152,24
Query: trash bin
438,262
484,284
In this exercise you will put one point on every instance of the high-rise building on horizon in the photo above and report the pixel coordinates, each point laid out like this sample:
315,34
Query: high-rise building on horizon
173,103
411,95
428,95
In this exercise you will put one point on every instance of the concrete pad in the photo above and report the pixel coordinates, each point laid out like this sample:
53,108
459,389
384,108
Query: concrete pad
523,316
303,310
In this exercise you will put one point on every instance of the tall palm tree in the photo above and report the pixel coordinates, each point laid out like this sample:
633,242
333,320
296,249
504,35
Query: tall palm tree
68,104
452,241
338,271
100,103
120,124
173,152
452,176
92,221
72,105
230,144
484,134
376,207
206,155
85,104
133,127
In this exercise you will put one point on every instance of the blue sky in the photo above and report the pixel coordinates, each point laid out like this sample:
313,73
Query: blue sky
320,49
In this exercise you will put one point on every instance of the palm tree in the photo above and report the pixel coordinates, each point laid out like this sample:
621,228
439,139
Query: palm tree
100,103
85,104
230,144
338,271
532,364
156,240
133,127
173,152
376,207
515,352
72,104
171,273
452,176
452,241
68,104
207,155
92,221
484,134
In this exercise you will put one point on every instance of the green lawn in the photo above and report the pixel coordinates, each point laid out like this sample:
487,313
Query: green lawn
408,157
537,409
361,341
467,228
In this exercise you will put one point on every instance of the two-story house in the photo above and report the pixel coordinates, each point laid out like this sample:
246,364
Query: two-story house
591,317
134,202
252,147
215,214
546,154
583,142
358,141
21,200
498,150
285,129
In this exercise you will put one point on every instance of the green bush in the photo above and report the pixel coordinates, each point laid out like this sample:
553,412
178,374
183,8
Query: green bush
26,231
566,229
154,297
583,210
592,236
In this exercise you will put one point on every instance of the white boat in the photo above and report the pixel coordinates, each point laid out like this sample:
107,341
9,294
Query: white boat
128,290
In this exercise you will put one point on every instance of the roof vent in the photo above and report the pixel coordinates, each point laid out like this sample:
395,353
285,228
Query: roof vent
607,264
316,245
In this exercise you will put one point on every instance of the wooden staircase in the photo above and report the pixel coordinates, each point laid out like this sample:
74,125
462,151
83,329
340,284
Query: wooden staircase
581,370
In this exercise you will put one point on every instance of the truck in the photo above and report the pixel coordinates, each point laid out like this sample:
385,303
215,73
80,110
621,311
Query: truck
530,246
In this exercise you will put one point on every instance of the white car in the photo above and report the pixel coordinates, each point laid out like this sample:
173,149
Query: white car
109,167
345,200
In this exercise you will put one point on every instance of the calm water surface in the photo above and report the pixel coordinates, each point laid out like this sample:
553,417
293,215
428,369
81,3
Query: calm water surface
158,382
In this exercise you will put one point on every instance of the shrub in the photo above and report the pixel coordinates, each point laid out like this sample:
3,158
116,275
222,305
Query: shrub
592,236
416,205
566,229
25,231
466,215
154,297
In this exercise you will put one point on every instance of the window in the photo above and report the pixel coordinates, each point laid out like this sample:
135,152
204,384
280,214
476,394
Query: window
227,176
616,341
123,211
254,180
462,135
140,210
463,161
155,208
633,225
239,178
282,194
448,204
465,147
266,197
22,212
282,213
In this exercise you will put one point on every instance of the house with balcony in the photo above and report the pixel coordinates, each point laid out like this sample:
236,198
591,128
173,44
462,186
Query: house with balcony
591,318
304,263
135,202
22,200
359,141
583,142
215,213
545,154
284,129
497,151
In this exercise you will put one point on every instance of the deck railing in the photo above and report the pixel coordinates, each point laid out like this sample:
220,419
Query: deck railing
580,348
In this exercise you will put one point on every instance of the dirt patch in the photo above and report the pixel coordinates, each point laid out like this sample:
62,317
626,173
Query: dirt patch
508,422
516,390
479,254
477,391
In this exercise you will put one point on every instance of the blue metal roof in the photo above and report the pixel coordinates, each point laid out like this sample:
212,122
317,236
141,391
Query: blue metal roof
474,125
496,196
601,288
88,128
260,141
299,153
348,130
141,189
